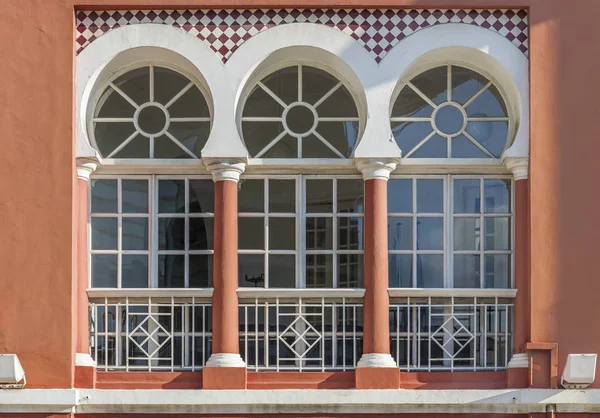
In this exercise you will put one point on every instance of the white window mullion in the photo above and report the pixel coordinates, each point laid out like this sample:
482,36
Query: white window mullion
335,236
155,232
119,233
301,233
186,237
414,232
449,232
482,233
266,230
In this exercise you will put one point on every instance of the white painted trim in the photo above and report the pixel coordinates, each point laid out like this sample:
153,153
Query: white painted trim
96,293
451,292
225,360
376,360
519,166
519,361
84,359
85,168
376,169
250,293
315,401
226,170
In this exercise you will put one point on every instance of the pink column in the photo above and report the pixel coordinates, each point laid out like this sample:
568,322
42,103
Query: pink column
85,366
225,368
376,368
519,363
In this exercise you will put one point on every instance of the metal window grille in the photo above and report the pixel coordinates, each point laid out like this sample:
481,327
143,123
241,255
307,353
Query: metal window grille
453,334
151,333
301,333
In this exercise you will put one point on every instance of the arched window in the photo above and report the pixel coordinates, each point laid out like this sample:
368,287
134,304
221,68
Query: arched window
300,112
151,112
450,112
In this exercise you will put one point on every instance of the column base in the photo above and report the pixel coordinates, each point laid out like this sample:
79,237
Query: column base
376,360
85,371
377,378
225,360
517,371
224,378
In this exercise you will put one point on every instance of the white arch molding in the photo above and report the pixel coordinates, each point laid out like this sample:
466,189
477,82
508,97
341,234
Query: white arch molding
373,86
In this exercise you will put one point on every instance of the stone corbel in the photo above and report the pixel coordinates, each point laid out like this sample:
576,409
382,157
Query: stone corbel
519,166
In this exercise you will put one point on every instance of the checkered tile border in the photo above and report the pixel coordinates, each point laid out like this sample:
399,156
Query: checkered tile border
378,31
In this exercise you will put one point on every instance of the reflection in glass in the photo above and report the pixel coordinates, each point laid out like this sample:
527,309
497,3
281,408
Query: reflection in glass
497,195
350,195
282,196
171,271
282,271
399,194
251,269
201,233
466,271
104,196
400,270
430,196
319,233
251,196
201,270
467,196
104,233
251,233
430,233
497,234
135,271
171,233
202,196
350,233
319,196
282,233
400,233
350,271
497,271
171,196
430,270
467,234
135,234
319,271
104,270
135,196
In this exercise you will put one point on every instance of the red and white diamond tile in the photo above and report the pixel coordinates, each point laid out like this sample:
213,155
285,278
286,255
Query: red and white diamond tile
378,31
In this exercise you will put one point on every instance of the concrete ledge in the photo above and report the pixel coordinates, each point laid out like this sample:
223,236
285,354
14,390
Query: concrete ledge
300,401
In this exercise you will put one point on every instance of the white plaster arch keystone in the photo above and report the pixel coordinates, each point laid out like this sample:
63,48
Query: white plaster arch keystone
133,44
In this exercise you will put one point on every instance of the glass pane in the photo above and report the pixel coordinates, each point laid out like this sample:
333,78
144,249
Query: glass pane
400,270
497,195
261,104
251,233
136,84
430,196
286,147
191,104
282,271
430,233
350,271
104,196
282,233
342,135
467,198
109,135
201,270
284,83
434,147
465,84
171,196
399,194
192,135
319,233
104,234
164,147
251,270
340,104
171,271
171,234
319,196
319,271
409,134
410,105
467,234
434,84
313,147
167,83
492,135
430,271
135,271
466,271
202,196
104,270
400,233
135,196
201,233
449,120
350,195
135,234
462,147
282,196
497,234
114,105
251,196
257,135
488,104
350,233
497,271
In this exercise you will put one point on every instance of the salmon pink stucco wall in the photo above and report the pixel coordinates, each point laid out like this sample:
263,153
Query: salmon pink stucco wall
37,173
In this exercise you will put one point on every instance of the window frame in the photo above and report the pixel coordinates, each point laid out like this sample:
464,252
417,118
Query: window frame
448,228
153,225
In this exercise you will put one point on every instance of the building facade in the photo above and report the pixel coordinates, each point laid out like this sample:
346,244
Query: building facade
281,209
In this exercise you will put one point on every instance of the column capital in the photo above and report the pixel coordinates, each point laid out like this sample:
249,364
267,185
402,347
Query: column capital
519,166
376,169
85,167
222,170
